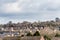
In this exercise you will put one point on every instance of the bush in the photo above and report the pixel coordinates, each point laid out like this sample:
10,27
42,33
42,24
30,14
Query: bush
47,38
36,33
22,35
57,35
29,34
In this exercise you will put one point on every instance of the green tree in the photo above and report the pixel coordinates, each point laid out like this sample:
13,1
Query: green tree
36,33
29,34
57,35
22,35
46,37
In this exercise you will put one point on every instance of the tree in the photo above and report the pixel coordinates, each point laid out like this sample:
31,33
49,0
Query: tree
36,33
22,35
29,34
57,35
46,37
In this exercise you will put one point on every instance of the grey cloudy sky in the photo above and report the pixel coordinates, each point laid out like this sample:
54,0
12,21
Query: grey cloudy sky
30,10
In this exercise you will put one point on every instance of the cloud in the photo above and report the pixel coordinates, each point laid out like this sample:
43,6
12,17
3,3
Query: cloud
12,7
7,1
30,5
22,5
29,9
